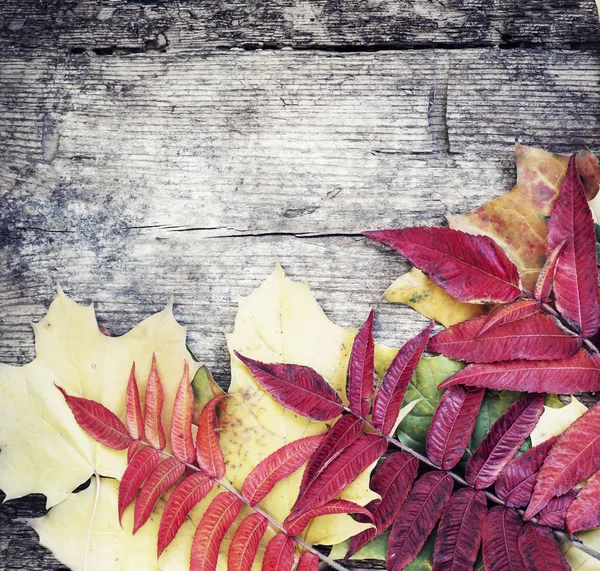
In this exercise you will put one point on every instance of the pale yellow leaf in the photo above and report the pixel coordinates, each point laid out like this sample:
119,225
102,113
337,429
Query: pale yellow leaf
554,421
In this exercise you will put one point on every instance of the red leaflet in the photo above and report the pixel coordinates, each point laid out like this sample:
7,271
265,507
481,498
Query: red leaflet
510,312
585,510
501,528
545,281
279,555
576,274
182,441
392,481
554,515
503,440
133,408
515,483
161,478
420,513
135,474
308,562
295,525
153,428
343,433
245,542
208,451
297,388
539,549
361,369
577,374
341,471
574,457
459,532
134,446
393,386
185,496
452,425
283,462
212,528
470,268
99,422
534,337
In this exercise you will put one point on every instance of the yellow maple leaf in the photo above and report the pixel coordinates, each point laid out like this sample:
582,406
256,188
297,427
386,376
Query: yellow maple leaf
555,421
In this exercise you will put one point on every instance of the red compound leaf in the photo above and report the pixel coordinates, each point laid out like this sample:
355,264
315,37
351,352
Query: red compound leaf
279,555
182,441
153,428
361,369
539,549
135,475
295,525
208,451
501,528
584,512
133,408
245,543
554,514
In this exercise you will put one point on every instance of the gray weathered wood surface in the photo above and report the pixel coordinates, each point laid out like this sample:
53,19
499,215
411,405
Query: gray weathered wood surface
150,149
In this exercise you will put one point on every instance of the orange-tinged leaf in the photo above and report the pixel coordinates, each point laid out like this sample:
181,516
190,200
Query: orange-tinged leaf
133,407
361,369
295,525
185,496
153,428
245,542
136,473
279,555
212,528
277,466
208,451
182,441
308,562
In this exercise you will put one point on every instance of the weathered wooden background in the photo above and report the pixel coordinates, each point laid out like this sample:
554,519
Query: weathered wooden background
150,149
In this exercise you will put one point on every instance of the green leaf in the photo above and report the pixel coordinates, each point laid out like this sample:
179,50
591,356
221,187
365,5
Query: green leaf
205,388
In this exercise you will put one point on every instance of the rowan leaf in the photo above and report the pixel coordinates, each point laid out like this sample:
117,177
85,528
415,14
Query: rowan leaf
470,268
295,524
500,540
141,466
245,542
554,514
279,555
539,549
208,450
182,441
584,512
155,397
361,370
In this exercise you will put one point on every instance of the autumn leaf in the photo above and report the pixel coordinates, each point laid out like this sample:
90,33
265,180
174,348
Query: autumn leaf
555,421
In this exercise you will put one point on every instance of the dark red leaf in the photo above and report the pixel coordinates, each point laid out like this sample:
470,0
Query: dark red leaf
420,512
340,472
297,388
245,543
279,555
452,425
577,374
210,531
535,337
554,514
308,562
392,481
153,428
343,433
136,473
295,525
283,462
470,268
515,483
208,451
576,274
584,512
503,440
133,408
182,441
361,369
545,281
185,496
510,312
392,389
459,533
501,528
574,457
99,422
539,549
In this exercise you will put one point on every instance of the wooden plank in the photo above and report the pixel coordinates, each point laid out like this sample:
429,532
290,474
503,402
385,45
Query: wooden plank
122,26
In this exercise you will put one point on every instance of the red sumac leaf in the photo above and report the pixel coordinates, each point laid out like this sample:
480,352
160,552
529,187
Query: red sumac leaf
153,428
452,425
361,369
577,374
295,524
136,473
545,281
392,481
515,483
133,408
161,479
278,465
500,534
503,440
584,512
210,531
182,441
420,512
539,549
509,313
576,273
185,496
574,457
279,555
459,533
308,562
100,423
208,451
245,543
132,450
535,337
296,387
392,389
554,514
470,268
